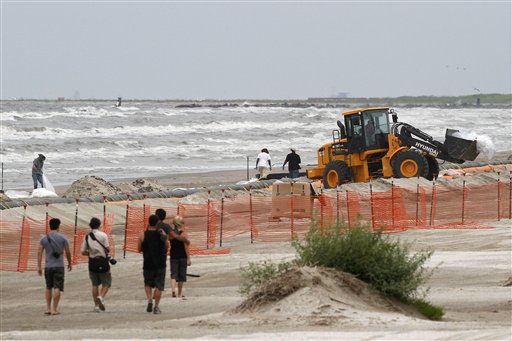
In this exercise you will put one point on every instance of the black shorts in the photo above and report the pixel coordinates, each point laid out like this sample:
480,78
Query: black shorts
155,278
179,269
54,278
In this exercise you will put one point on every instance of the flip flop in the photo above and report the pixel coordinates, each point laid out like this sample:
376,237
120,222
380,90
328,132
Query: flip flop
55,313
47,313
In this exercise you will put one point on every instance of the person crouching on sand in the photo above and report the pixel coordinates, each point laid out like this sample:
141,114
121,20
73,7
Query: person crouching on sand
154,250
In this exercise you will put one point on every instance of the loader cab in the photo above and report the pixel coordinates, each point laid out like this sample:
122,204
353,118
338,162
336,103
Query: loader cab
367,130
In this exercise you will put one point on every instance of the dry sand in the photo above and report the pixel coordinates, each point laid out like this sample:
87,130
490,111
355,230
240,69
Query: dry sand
472,266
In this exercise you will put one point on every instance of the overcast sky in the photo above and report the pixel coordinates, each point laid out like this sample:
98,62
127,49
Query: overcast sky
275,50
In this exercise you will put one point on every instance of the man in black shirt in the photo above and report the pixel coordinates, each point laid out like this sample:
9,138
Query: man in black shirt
293,160
173,234
161,214
154,250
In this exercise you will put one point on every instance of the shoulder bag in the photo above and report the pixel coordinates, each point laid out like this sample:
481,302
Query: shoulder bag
97,264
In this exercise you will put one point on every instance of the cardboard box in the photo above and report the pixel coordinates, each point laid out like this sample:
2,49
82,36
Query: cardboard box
287,188
302,200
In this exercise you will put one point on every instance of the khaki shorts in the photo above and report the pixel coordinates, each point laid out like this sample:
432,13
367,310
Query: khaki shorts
264,171
101,278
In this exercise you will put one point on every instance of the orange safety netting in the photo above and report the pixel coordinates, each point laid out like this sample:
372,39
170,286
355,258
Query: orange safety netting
20,242
280,218
200,224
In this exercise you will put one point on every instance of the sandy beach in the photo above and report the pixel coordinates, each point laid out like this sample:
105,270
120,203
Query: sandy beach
472,268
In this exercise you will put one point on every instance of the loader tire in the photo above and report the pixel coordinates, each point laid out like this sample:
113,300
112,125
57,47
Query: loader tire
433,167
409,164
336,172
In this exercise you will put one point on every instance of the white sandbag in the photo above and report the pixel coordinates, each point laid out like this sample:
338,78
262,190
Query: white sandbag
47,184
17,194
43,193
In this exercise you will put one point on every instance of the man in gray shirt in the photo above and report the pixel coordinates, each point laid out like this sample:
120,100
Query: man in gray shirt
37,170
54,244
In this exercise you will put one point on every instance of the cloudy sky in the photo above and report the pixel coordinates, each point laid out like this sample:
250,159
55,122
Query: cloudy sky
275,50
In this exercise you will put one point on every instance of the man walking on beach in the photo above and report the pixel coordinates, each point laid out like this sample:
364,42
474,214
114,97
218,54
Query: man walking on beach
37,170
293,160
263,164
180,257
161,214
54,245
154,251
96,246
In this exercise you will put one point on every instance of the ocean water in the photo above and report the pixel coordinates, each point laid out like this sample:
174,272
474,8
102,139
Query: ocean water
145,139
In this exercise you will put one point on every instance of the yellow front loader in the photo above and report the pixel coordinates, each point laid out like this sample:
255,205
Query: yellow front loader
369,146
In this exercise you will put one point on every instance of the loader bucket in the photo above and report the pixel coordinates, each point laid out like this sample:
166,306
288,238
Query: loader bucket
460,148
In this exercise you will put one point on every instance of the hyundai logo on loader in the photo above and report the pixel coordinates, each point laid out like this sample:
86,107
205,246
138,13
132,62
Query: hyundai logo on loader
426,148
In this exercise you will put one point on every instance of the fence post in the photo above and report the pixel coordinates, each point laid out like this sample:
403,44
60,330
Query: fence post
104,211
463,197
338,207
432,202
510,196
46,227
417,203
143,215
371,206
207,220
221,216
322,213
126,224
392,204
499,197
20,249
292,231
74,259
250,213
348,208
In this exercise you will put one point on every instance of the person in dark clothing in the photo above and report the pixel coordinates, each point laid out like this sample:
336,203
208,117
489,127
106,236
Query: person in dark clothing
154,251
37,170
171,234
293,160
180,257
161,214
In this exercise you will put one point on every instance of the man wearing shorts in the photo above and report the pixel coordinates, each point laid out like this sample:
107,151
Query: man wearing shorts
154,250
54,244
91,247
180,257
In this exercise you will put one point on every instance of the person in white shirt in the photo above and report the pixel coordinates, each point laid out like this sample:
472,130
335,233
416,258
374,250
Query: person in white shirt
263,164
91,247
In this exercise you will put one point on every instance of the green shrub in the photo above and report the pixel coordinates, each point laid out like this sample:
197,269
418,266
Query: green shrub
428,309
373,257
255,274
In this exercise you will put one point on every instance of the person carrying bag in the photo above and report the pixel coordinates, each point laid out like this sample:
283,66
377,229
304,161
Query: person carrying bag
96,246
98,264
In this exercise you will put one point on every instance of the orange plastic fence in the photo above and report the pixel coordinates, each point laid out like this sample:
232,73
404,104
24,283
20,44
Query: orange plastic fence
214,224
20,242
200,224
